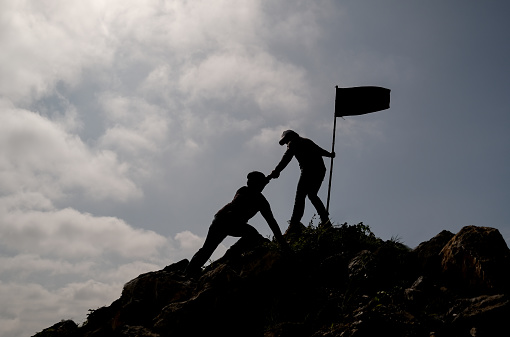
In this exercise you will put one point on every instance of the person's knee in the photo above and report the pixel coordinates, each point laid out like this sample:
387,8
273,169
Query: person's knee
251,231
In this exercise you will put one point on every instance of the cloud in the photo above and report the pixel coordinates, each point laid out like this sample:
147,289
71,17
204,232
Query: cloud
38,155
189,243
78,283
75,235
188,240
28,265
183,26
136,130
31,304
248,74
47,42
58,263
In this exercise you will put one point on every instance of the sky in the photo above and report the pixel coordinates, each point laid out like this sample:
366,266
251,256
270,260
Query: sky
125,125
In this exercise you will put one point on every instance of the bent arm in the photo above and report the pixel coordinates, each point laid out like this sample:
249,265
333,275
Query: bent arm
325,153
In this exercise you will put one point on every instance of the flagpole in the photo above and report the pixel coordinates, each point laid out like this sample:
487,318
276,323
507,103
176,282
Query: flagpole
332,150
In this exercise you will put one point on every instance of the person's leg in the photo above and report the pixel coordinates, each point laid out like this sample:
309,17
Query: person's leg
243,230
313,189
249,237
299,201
215,236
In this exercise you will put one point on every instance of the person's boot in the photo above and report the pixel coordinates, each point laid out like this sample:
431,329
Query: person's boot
295,228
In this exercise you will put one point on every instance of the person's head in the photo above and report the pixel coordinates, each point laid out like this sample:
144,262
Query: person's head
257,180
287,136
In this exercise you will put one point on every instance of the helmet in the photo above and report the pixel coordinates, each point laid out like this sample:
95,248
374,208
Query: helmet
286,136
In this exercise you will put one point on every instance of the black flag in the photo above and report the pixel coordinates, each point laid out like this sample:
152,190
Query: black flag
355,101
361,100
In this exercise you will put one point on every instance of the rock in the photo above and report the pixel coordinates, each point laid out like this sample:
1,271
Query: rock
427,253
389,265
417,292
177,267
338,282
96,319
393,265
67,328
156,287
381,318
288,329
181,318
426,295
486,315
333,270
361,266
136,331
143,297
476,259
219,278
261,265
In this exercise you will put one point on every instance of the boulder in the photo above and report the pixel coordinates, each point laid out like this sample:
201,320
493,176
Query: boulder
484,315
476,259
143,297
361,267
67,328
136,331
427,253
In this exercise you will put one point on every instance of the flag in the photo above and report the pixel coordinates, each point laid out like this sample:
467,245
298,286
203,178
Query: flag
361,100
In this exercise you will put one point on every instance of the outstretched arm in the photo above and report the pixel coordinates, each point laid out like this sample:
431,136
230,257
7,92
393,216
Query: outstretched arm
287,157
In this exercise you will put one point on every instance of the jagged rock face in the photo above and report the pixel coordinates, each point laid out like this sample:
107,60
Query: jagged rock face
143,297
427,253
65,328
477,258
482,315
337,282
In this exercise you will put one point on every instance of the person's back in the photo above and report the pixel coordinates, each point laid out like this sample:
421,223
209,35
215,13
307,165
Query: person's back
246,203
308,154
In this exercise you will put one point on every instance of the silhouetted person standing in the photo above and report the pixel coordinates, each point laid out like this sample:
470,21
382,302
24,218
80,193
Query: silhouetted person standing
232,220
309,156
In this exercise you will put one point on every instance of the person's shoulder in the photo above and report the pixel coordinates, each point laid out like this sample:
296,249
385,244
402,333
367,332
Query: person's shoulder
308,141
295,143
310,144
242,190
301,143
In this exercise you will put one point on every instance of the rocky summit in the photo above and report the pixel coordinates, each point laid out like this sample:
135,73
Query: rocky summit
337,281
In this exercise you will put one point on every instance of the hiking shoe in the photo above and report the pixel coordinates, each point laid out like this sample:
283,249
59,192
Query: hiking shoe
295,228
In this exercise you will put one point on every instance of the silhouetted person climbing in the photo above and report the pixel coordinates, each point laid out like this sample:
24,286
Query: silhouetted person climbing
309,156
232,220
